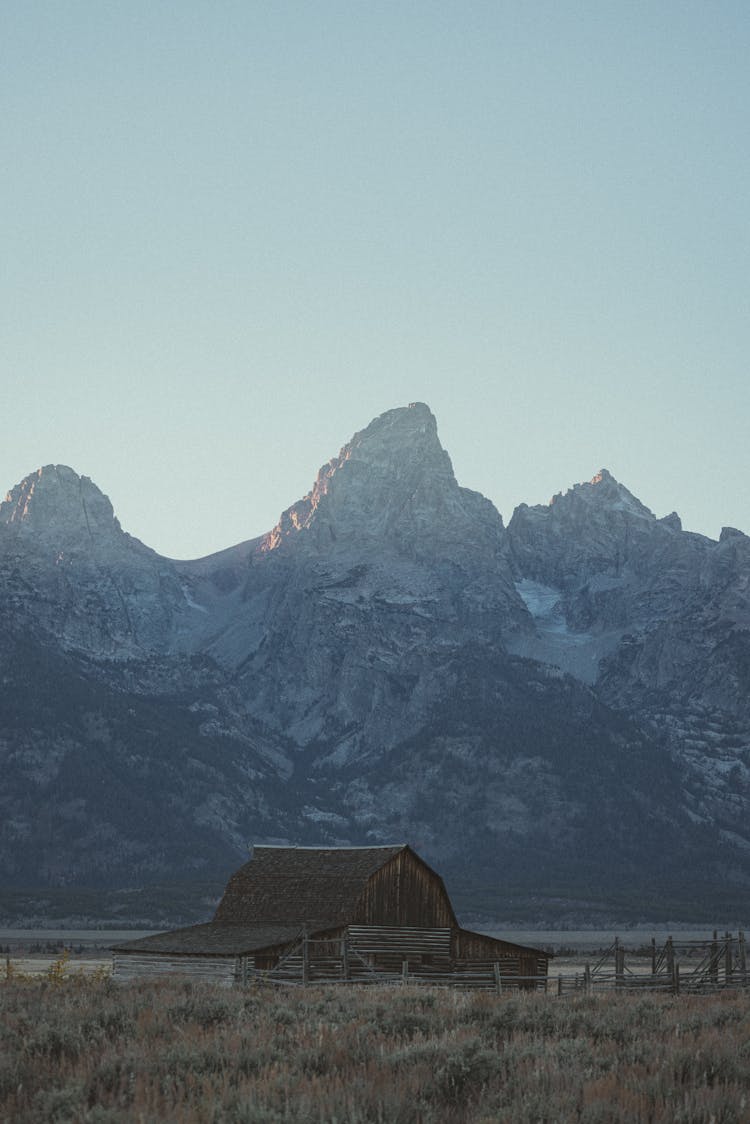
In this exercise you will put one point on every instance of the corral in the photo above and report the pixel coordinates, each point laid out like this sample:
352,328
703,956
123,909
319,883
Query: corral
298,915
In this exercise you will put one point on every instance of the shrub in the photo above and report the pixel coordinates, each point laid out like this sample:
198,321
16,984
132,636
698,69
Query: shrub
179,1050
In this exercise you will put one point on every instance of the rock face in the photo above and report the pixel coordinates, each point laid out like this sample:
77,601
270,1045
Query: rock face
393,485
351,604
614,562
554,713
658,620
68,567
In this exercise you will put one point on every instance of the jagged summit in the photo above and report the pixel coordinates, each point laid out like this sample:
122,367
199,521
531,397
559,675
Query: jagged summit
595,527
392,481
55,500
399,442
67,563
672,521
402,442
399,425
604,491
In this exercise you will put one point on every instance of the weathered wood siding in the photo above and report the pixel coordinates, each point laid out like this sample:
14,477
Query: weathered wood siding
389,948
129,966
405,891
468,946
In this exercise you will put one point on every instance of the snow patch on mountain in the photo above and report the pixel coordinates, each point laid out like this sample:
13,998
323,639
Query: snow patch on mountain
554,642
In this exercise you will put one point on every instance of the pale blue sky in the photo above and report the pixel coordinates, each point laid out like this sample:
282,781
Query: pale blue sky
234,232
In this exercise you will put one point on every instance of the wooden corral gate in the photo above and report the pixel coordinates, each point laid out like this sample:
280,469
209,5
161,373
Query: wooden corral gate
678,966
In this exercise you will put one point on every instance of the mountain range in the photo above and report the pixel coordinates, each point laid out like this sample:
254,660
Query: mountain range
555,713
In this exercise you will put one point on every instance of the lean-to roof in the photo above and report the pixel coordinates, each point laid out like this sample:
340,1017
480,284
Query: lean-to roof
215,939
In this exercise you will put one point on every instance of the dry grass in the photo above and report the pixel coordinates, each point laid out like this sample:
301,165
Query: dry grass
86,1050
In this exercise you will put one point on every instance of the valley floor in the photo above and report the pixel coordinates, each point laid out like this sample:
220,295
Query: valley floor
85,1050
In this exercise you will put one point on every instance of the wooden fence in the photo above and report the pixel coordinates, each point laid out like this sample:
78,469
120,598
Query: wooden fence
688,966
344,961
677,966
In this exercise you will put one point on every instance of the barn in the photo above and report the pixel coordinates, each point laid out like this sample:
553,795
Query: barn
334,914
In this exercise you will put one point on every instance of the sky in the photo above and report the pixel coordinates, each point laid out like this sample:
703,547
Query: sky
235,232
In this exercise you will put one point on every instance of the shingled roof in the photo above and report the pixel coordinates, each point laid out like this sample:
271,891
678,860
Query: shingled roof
214,939
284,885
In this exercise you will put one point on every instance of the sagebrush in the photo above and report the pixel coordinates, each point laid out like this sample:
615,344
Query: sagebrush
188,1052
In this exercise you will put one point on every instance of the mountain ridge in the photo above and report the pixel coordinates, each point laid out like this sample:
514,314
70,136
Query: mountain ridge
390,658
292,518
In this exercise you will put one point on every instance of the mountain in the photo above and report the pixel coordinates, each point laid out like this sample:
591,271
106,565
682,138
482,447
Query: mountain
658,620
68,568
555,713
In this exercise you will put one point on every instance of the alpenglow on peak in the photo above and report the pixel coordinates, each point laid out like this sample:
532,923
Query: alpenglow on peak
392,481
603,492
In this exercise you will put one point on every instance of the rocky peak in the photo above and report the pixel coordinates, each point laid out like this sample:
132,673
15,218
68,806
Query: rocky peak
408,429
598,527
55,502
392,481
602,493
731,533
78,576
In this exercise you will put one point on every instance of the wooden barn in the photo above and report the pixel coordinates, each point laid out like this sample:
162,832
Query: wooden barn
322,914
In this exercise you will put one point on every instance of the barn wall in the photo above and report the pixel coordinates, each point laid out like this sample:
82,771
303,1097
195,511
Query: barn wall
478,946
129,966
405,892
388,948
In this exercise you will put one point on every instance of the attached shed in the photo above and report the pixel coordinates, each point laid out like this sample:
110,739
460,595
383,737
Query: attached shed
304,914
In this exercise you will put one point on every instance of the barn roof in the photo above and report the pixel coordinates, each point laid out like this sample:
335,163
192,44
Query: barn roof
214,939
287,885
271,898
282,891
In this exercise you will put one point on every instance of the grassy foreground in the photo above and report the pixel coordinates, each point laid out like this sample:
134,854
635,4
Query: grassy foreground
179,1051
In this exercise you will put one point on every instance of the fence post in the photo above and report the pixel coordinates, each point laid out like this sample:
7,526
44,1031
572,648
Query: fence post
404,971
741,953
559,984
345,958
669,948
714,964
727,959
619,964
498,981
305,957
587,980
617,960
677,979
653,956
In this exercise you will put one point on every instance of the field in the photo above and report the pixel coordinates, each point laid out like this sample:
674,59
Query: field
83,1049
